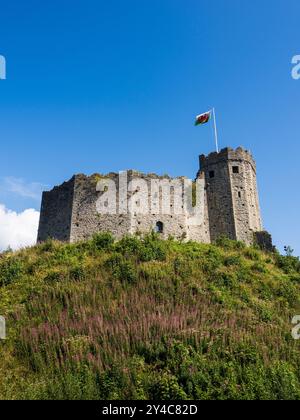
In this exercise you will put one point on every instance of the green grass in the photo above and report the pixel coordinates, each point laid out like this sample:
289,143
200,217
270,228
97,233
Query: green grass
148,319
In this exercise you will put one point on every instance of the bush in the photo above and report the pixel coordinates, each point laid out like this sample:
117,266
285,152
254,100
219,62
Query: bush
166,387
211,261
143,250
288,263
232,260
54,276
259,267
288,291
226,280
152,249
47,246
226,243
182,268
11,269
128,246
122,269
101,241
252,254
77,273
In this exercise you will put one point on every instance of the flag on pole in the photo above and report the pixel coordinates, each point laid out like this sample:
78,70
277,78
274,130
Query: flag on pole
203,118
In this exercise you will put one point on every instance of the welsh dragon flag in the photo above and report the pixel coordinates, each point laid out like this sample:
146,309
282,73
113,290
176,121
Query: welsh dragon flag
203,118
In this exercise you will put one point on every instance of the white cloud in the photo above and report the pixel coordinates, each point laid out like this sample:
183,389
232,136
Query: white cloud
18,230
20,187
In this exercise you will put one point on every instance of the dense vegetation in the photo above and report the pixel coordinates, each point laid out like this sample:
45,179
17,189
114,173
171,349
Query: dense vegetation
144,318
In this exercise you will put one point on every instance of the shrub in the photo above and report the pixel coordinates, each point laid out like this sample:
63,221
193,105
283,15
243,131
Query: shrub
212,259
128,246
232,260
66,254
227,280
295,278
54,276
122,269
288,263
11,269
101,241
127,272
77,273
226,243
152,249
245,354
265,313
166,387
47,246
259,267
252,254
148,249
182,268
288,291
244,274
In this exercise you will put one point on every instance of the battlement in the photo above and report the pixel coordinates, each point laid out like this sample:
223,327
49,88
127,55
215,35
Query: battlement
227,154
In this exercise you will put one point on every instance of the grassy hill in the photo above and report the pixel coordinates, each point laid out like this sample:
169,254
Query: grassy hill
140,319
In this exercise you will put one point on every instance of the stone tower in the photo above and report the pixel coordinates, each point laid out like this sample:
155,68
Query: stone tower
232,196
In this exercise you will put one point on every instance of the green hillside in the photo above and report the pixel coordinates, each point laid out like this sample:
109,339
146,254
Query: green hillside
148,319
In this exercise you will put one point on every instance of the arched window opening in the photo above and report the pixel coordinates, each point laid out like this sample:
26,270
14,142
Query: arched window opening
159,227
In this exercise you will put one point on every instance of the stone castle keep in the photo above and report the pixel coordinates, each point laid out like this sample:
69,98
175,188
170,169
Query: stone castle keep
231,206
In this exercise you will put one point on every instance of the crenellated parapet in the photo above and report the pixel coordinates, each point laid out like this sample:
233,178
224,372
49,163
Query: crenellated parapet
225,155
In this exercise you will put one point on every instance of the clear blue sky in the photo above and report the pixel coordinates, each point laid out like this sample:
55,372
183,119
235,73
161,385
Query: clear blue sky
96,86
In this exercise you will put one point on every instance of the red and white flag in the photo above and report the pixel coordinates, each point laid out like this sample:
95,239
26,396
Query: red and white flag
203,118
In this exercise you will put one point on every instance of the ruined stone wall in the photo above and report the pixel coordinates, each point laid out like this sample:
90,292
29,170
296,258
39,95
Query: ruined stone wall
56,213
201,232
86,220
174,225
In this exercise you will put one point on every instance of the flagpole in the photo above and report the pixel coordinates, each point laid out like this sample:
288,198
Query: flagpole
216,132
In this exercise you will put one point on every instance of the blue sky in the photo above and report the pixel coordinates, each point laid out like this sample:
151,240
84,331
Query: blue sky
97,86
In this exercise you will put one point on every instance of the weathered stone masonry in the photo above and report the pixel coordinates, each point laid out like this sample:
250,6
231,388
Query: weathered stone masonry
231,206
232,195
